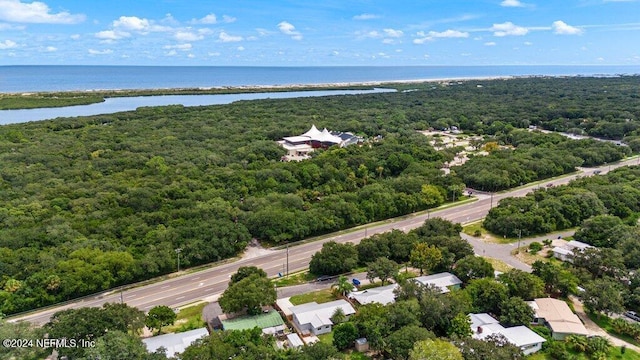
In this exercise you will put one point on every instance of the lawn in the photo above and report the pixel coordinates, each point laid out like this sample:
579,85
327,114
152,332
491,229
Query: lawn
604,322
326,338
298,278
498,265
320,296
614,354
188,318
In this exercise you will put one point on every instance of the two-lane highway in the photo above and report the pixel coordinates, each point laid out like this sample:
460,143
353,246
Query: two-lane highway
213,281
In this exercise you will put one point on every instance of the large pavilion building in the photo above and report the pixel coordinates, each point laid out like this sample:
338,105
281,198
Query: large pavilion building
299,147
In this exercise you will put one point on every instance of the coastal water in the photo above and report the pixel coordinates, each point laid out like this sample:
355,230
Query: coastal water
20,79
112,105
28,79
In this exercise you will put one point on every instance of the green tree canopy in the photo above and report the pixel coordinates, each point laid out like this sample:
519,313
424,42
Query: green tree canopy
248,294
159,317
334,259
472,267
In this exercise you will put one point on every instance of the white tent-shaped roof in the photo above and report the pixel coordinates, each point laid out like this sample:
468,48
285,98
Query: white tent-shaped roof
326,136
313,133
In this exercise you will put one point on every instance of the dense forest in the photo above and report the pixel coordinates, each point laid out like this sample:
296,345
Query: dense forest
616,194
95,202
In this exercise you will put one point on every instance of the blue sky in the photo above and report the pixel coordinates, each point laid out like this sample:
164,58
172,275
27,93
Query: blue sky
319,32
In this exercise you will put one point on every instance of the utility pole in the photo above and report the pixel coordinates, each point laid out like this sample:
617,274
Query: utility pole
287,261
121,296
491,207
519,237
178,251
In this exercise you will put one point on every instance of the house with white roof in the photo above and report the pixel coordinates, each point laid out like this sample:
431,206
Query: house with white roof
445,281
558,317
300,146
314,318
174,343
566,252
483,325
382,295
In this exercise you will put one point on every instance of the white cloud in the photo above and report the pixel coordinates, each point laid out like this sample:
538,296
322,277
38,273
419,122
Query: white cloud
100,52
562,28
36,13
424,37
240,48
528,43
288,29
183,47
214,54
224,37
508,28
112,35
171,53
187,36
51,49
5,26
393,33
449,34
512,3
209,19
140,25
132,23
75,37
263,32
490,43
228,19
388,41
8,44
366,16
191,56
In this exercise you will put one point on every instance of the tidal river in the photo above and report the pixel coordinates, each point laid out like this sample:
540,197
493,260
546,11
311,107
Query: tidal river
113,105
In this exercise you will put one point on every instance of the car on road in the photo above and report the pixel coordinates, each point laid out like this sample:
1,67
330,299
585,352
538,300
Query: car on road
324,278
632,315
355,282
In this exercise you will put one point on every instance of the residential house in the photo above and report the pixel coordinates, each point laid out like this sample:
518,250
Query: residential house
566,252
558,317
174,343
269,322
445,281
314,318
382,295
483,325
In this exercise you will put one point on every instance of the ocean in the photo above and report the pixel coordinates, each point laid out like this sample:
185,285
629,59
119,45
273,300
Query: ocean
20,79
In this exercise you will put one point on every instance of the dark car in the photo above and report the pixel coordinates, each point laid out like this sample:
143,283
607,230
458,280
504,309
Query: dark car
324,278
355,282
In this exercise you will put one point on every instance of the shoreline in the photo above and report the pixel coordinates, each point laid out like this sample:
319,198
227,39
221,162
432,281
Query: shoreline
301,86
279,87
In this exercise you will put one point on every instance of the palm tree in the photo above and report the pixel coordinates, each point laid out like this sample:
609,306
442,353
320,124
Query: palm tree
342,287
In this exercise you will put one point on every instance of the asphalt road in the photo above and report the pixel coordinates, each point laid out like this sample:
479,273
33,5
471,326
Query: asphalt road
208,283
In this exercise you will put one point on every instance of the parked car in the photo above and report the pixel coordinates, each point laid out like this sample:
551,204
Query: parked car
355,282
324,278
632,315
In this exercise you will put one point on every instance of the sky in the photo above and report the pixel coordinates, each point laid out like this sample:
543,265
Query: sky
320,32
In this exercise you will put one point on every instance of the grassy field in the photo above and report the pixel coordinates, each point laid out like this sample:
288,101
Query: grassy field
188,318
498,265
320,296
